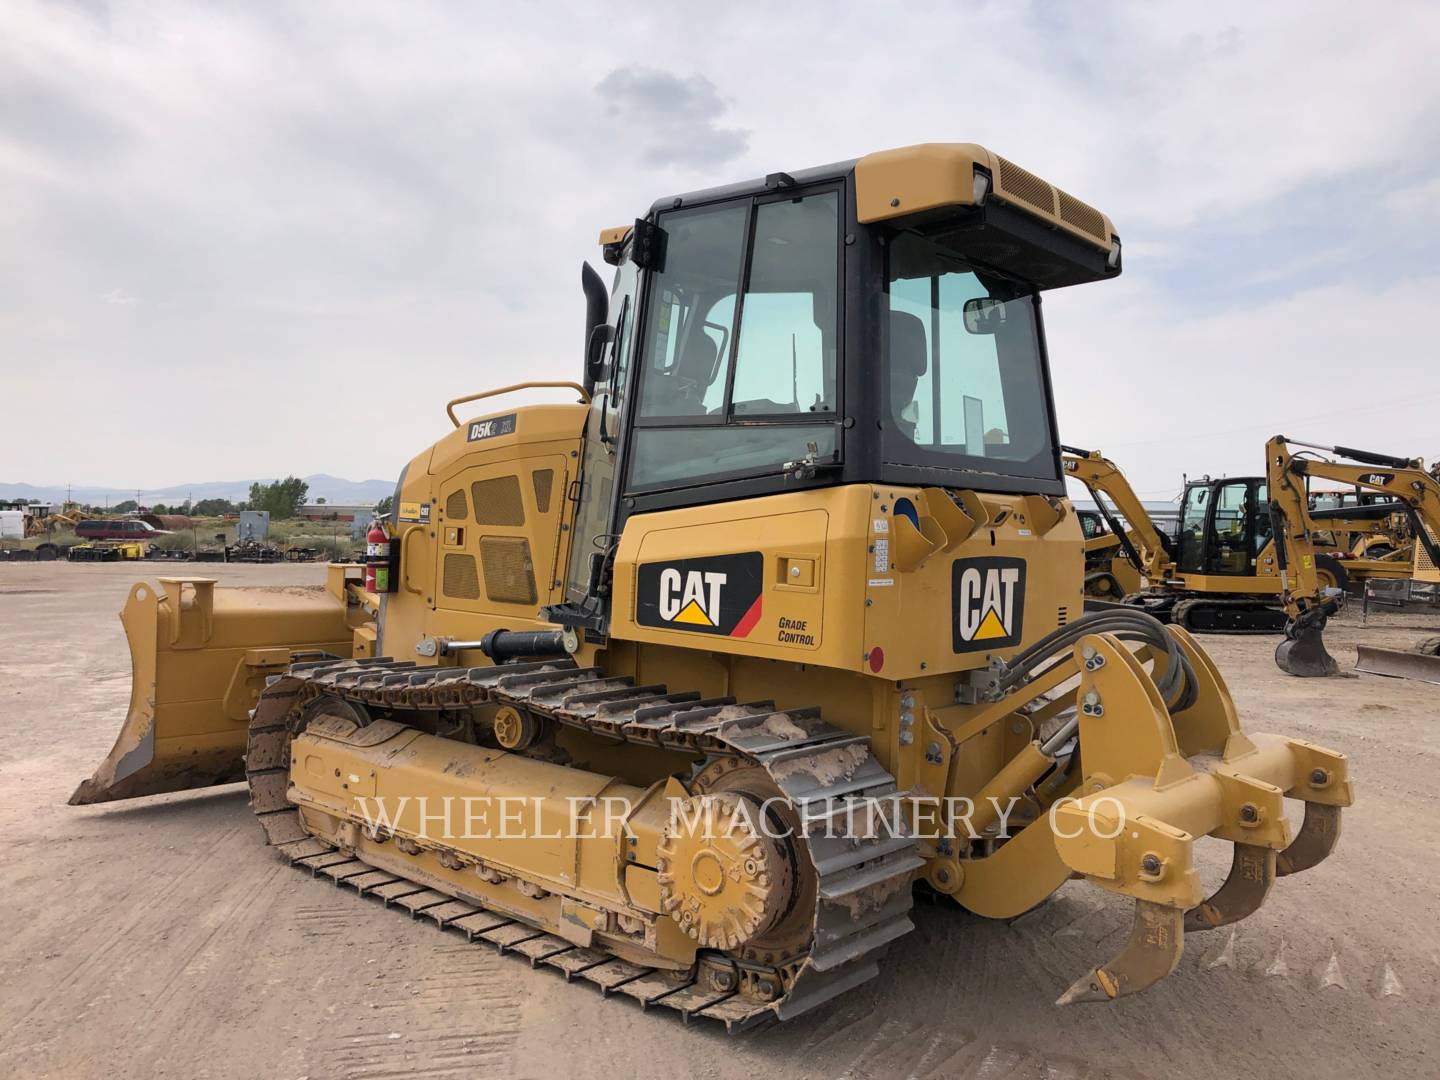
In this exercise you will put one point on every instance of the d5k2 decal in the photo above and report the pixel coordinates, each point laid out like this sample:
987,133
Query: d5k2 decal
987,603
720,594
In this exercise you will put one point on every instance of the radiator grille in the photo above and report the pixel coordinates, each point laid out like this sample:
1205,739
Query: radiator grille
455,505
460,581
1024,185
1083,216
509,574
543,479
1422,554
497,501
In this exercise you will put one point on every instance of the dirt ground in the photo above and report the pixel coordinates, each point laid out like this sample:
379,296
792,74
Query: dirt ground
161,938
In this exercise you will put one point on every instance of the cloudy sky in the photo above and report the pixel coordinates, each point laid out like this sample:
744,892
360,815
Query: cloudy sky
251,239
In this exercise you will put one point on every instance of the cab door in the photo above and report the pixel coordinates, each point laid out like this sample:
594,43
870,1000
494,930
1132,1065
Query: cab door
1232,533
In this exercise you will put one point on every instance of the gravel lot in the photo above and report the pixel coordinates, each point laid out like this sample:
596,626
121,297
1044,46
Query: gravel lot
161,938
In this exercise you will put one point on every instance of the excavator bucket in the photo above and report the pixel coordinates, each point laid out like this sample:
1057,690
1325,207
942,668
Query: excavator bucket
199,658
1303,651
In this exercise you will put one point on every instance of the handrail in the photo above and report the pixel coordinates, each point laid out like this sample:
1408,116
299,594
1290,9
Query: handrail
450,408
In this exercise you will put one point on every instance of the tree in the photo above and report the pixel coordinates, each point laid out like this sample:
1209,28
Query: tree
213,508
283,498
382,508
129,506
320,501
159,508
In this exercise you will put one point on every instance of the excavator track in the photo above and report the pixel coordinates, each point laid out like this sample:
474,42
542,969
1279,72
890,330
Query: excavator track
863,893
1212,615
1201,614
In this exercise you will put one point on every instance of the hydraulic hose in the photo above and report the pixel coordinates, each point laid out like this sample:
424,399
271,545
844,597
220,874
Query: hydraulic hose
1176,682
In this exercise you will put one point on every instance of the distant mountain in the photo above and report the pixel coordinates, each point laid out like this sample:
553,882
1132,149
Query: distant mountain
332,489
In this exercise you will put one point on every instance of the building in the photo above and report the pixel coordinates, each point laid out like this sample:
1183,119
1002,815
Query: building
335,511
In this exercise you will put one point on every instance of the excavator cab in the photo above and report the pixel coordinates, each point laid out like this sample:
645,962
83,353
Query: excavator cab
1224,526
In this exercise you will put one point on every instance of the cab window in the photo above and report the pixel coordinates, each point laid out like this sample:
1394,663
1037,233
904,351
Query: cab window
739,371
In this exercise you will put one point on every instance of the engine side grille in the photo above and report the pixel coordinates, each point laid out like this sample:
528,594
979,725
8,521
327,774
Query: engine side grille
497,501
1018,183
460,581
509,573
455,505
1422,554
543,479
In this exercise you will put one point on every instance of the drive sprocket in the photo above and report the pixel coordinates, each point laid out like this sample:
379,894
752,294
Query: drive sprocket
721,877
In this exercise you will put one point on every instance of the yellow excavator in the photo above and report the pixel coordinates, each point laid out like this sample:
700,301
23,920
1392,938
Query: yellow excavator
1220,574
780,619
1251,554
1124,548
1411,490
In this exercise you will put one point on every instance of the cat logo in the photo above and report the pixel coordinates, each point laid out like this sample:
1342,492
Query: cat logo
720,594
987,598
1379,479
692,597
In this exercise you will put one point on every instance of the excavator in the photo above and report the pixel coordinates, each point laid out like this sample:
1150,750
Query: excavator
779,619
1120,555
1220,574
1412,491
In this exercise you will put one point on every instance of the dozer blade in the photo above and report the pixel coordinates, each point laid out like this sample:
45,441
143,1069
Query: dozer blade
1252,873
1398,664
199,658
1151,952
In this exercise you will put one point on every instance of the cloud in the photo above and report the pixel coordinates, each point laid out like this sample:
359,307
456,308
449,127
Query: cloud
674,117
341,199
118,296
1201,391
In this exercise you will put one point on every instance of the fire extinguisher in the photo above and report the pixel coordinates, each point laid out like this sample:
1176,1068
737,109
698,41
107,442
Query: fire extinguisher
377,559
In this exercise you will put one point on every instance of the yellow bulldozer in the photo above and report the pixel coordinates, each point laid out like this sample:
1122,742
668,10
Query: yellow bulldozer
683,687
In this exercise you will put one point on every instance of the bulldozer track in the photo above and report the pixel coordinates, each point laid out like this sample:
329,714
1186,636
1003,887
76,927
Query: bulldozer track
863,894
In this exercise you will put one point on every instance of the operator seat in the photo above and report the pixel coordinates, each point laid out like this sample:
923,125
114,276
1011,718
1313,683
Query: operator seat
681,391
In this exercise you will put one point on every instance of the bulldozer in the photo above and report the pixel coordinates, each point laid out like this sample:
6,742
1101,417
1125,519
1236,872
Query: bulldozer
777,622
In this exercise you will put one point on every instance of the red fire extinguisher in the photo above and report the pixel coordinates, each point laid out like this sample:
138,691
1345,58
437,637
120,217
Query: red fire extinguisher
377,559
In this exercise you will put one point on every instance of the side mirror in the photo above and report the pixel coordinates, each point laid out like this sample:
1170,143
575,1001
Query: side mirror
600,337
985,315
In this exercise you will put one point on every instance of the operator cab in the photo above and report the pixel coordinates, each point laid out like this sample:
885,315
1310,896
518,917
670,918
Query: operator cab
1224,525
873,321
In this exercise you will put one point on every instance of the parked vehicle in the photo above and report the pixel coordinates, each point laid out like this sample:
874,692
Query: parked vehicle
117,529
